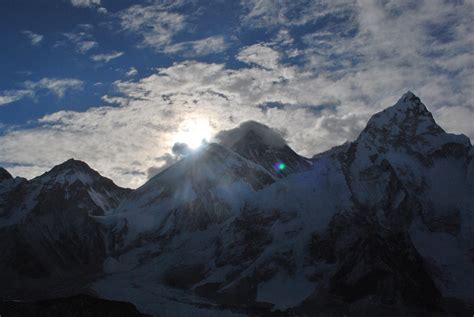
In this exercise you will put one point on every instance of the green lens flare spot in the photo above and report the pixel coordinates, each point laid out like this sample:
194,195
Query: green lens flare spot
281,166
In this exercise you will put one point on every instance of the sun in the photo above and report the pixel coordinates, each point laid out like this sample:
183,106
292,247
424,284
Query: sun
194,133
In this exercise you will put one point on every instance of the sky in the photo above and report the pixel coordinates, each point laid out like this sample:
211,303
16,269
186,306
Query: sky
126,85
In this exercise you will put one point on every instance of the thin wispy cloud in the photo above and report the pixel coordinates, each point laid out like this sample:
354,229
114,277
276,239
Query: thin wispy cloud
34,38
132,72
55,86
154,24
81,38
85,3
89,4
202,47
86,46
10,96
107,57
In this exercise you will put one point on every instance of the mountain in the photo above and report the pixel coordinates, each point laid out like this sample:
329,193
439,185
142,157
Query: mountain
79,305
205,188
265,147
47,233
4,175
380,225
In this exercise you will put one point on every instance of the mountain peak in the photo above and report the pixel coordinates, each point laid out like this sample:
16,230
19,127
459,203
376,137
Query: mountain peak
74,164
410,101
264,146
70,171
407,124
4,174
251,132
409,117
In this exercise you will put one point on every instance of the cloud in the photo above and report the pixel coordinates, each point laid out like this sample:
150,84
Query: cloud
206,46
85,46
259,54
132,72
106,57
181,149
55,85
158,23
154,23
269,135
270,13
361,58
85,3
33,37
81,38
10,96
96,4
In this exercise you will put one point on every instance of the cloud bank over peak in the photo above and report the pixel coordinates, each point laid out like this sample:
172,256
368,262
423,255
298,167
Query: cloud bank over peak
269,136
323,70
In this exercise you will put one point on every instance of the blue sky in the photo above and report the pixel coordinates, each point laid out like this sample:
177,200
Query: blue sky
117,83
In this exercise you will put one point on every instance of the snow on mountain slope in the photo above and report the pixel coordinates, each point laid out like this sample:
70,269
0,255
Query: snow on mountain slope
264,146
380,225
46,228
433,167
205,188
356,231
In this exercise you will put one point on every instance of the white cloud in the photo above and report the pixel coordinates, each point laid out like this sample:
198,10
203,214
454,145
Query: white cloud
55,85
270,13
106,57
102,10
81,38
154,23
132,72
85,3
350,70
10,96
34,38
259,54
206,46
86,46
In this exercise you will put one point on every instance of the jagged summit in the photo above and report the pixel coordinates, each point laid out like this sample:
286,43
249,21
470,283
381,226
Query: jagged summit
4,174
408,115
407,124
411,100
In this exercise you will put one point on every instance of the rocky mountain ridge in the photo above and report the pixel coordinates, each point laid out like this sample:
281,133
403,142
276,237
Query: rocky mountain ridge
380,225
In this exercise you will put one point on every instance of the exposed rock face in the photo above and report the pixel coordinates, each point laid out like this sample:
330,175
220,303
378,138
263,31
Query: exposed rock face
4,175
381,225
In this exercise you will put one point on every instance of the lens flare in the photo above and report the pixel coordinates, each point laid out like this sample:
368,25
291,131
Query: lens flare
279,166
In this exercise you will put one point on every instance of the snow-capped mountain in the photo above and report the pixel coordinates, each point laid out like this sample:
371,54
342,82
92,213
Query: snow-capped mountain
265,147
46,229
380,225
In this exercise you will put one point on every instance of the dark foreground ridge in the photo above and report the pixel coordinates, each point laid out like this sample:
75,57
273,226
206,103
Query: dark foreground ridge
75,306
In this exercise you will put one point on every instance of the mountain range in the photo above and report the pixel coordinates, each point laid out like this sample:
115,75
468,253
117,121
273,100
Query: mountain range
246,226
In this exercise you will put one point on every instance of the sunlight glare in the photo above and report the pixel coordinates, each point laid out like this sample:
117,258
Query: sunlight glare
194,133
